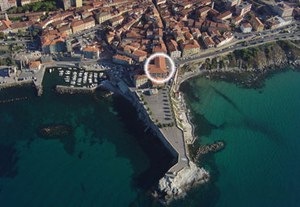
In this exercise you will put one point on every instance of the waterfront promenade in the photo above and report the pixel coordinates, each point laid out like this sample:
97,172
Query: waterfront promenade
161,110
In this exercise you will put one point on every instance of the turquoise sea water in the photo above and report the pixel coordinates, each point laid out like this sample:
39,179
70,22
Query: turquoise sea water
109,160
104,162
260,165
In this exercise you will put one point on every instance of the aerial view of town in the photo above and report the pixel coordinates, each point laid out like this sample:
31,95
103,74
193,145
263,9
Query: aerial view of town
149,103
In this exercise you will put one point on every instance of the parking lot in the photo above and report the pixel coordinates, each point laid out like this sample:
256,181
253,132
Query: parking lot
160,107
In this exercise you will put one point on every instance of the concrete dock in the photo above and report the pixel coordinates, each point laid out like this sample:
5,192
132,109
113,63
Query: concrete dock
158,114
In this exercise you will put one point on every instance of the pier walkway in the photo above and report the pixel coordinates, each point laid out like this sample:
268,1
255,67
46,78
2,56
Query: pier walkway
161,112
175,137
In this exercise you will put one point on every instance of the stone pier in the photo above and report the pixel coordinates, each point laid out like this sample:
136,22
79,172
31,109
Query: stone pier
158,115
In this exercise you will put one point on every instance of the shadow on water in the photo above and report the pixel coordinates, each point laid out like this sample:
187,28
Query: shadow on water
209,194
264,129
202,126
160,159
8,161
253,125
226,98
206,127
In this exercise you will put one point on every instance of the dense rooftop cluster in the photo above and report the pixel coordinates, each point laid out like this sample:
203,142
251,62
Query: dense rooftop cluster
132,30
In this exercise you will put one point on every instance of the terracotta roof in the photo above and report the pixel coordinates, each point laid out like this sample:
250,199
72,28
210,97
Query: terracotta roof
34,64
140,77
159,66
140,53
122,57
16,25
91,49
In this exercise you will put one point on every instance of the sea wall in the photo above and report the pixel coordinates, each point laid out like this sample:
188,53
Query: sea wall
17,83
141,111
72,90
178,179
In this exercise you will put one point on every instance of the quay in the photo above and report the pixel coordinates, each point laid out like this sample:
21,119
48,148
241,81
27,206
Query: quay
164,115
73,90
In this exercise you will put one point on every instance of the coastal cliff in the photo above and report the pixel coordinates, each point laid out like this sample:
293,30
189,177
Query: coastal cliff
271,55
247,67
265,56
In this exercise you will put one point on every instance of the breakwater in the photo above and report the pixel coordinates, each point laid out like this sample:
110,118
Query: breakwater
214,147
16,83
184,174
12,100
73,90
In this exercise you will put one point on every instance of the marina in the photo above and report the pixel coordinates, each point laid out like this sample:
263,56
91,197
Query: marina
78,77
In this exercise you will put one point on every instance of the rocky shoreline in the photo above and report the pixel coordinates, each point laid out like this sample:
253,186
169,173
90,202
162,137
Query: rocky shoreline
248,77
246,67
252,78
176,187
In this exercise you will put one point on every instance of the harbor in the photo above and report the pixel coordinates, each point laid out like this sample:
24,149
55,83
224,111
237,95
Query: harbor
73,76
163,113
78,77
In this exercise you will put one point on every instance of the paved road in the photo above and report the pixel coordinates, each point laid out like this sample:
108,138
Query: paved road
258,40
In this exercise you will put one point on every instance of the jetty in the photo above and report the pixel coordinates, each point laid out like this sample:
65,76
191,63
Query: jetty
73,90
38,80
162,113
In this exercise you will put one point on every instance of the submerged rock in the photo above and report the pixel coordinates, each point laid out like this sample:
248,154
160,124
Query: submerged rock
55,130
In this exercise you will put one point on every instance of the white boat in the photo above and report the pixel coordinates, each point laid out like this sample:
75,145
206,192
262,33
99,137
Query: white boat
59,68
67,79
90,80
68,72
73,82
61,73
79,80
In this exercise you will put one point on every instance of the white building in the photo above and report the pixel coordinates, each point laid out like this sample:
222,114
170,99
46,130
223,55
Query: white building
246,28
243,8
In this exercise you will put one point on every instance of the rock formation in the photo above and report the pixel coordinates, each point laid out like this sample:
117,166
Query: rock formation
176,186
